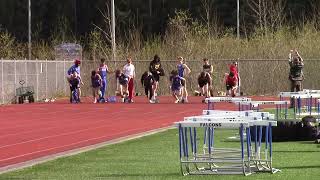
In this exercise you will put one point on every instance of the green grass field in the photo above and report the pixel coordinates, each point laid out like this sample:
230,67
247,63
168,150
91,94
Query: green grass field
157,157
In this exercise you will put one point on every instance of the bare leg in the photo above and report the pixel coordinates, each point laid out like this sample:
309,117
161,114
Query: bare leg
175,97
155,88
185,92
234,91
206,90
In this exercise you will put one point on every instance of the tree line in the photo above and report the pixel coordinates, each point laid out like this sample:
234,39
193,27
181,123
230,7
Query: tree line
77,18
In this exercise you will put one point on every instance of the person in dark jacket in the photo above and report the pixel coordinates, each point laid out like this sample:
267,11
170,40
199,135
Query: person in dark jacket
204,82
156,70
147,81
296,74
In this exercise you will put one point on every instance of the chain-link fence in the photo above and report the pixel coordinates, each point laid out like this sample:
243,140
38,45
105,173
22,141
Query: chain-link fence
48,78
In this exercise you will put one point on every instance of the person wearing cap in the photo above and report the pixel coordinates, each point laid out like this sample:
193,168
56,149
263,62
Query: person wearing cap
75,67
70,72
129,71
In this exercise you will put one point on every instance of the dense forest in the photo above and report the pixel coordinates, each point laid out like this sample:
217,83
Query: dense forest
79,17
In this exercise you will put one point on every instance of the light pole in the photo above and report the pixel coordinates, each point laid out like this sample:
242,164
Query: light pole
113,31
238,19
29,29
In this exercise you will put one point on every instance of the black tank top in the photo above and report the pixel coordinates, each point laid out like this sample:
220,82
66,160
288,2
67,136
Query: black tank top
207,68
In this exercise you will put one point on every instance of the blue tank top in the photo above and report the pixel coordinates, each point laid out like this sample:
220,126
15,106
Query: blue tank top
176,83
73,69
103,72
180,70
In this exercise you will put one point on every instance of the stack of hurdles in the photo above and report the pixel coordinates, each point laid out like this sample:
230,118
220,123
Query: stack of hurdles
250,156
304,103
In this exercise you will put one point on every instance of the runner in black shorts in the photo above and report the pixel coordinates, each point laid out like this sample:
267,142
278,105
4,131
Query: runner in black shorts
204,82
157,71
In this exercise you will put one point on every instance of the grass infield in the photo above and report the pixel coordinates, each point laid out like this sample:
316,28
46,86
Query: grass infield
157,157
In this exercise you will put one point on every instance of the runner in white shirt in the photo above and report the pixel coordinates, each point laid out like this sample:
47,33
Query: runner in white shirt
129,71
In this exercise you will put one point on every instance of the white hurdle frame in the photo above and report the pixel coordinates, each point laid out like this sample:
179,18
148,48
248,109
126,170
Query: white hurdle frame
211,100
256,104
222,160
308,95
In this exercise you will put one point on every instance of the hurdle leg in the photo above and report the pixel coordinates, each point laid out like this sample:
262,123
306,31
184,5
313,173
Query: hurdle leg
255,141
299,106
259,163
281,99
260,139
318,108
285,111
295,113
270,147
186,149
180,141
277,112
182,151
211,165
184,165
205,139
244,166
191,140
195,147
212,138
310,104
248,135
186,142
266,144
195,141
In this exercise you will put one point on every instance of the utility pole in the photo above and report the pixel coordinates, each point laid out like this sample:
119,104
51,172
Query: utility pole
150,8
29,29
238,19
75,17
113,31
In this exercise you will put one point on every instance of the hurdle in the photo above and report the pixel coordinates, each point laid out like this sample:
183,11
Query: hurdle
211,100
231,116
222,160
311,98
248,113
256,105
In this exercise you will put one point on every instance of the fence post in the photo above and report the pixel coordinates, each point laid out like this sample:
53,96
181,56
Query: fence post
15,77
64,79
2,93
37,79
56,76
46,78
26,71
239,80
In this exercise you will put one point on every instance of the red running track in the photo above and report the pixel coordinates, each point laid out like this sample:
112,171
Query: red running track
31,131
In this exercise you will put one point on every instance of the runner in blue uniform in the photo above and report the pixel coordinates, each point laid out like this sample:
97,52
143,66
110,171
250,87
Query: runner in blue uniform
103,71
183,71
74,69
177,83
